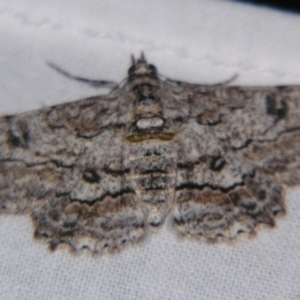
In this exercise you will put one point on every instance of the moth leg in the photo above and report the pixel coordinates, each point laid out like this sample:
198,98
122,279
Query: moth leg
92,82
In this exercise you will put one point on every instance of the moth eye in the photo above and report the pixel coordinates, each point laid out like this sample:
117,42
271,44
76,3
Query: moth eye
131,70
217,163
152,68
91,176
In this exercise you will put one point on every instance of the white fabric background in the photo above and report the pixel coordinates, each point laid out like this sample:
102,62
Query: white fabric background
203,41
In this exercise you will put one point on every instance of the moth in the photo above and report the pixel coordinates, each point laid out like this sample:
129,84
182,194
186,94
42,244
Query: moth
102,172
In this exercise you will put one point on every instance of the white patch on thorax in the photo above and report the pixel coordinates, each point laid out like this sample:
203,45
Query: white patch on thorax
147,123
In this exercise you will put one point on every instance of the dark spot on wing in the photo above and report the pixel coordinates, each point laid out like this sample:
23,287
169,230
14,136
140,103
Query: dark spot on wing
272,108
13,140
18,136
90,176
217,163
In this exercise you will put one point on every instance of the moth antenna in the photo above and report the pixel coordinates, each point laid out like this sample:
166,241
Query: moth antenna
143,56
132,59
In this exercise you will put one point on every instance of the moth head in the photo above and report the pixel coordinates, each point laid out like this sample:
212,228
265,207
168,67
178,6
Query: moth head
140,67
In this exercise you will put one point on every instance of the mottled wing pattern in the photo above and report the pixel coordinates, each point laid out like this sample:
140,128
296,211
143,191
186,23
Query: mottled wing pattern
67,166
237,147
100,172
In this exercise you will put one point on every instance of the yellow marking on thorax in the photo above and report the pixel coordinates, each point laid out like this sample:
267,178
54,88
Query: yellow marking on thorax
163,136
